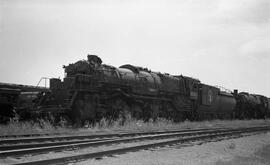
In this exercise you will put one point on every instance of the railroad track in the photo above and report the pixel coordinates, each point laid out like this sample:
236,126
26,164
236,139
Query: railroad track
30,138
47,144
150,140
11,139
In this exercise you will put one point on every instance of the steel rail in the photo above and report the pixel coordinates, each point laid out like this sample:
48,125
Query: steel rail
31,139
46,144
29,135
110,141
92,144
59,143
58,138
76,158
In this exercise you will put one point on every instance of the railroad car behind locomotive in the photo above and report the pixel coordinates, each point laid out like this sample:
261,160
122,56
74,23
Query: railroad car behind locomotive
16,99
8,99
251,105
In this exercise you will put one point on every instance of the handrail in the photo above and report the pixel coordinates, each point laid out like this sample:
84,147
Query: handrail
43,78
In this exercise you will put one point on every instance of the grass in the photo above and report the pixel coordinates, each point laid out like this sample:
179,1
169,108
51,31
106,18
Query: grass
129,125
164,124
30,127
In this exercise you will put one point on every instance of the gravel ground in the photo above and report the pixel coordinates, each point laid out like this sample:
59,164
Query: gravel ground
249,150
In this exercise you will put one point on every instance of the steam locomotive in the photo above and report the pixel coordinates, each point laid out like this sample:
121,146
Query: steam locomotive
92,90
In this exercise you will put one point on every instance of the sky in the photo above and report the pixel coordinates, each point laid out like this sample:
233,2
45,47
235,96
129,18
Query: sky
220,42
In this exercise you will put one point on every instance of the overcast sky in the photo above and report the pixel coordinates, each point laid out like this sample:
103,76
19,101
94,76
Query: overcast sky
220,42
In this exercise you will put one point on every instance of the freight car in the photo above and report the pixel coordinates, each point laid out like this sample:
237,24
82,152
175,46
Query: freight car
92,90
8,98
15,99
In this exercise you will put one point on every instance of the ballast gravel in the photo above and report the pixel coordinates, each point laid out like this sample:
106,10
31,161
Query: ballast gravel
248,150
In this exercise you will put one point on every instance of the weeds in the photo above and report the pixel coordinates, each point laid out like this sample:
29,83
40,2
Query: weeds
30,127
131,125
120,125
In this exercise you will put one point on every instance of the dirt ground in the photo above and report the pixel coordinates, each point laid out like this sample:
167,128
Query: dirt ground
248,150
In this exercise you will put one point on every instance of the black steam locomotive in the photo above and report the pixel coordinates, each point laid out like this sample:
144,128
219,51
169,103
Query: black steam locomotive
92,90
